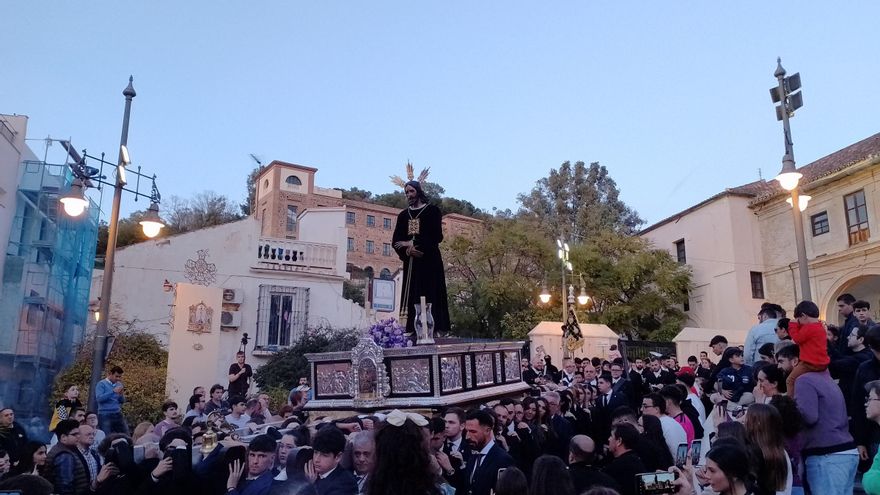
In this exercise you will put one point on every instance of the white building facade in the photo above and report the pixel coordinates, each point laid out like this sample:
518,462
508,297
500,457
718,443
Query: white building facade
272,289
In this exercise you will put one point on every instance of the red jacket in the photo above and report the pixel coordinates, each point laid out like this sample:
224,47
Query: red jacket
812,340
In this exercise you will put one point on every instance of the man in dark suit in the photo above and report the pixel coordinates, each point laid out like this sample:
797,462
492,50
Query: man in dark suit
488,457
457,449
657,377
534,371
606,402
562,427
261,458
626,464
621,383
330,479
581,453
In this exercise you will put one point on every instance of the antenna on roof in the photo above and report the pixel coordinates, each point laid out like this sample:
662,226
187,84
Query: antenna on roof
760,176
256,159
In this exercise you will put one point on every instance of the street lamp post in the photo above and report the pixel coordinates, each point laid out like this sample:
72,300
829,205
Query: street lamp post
568,297
787,93
75,203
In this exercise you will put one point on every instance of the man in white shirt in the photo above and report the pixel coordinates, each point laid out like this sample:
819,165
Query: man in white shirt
673,432
237,417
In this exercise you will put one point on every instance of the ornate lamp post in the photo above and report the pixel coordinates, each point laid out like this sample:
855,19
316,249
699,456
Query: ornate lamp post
75,204
568,298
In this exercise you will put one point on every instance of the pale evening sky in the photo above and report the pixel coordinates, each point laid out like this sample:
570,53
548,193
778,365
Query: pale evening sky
672,97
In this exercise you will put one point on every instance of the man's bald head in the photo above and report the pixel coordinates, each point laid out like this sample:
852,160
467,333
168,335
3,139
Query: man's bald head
581,448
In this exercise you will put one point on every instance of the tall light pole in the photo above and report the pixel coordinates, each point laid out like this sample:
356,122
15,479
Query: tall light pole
568,298
75,203
787,93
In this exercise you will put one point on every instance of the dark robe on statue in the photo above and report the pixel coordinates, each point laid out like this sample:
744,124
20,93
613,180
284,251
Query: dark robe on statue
427,272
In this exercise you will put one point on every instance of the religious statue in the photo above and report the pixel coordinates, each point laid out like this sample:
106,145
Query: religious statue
416,240
571,331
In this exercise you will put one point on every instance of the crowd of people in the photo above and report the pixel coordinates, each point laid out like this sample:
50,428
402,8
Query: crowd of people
795,410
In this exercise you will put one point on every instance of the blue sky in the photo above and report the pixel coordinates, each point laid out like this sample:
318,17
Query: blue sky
672,97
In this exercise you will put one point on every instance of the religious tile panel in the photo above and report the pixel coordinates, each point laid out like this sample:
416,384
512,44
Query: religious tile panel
450,373
511,366
410,376
485,373
468,376
498,368
332,379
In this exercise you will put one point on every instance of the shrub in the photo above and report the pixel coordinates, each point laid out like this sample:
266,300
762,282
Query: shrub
286,367
145,363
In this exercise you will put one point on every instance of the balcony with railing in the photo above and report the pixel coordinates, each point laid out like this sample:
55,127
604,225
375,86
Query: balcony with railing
287,255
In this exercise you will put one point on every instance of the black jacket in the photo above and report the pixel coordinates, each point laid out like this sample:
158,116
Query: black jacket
340,482
865,432
482,480
624,469
585,476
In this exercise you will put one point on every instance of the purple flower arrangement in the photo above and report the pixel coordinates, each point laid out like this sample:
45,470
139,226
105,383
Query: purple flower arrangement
389,334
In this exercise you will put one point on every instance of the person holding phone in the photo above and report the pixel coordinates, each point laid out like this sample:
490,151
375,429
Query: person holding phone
110,395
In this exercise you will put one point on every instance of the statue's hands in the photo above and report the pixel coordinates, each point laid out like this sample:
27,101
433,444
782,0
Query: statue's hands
415,253
402,244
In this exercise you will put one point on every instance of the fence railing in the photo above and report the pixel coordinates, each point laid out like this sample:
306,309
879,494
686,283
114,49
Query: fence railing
643,348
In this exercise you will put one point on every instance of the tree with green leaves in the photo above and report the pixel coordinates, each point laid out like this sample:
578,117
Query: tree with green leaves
635,288
251,186
492,280
286,366
577,202
145,363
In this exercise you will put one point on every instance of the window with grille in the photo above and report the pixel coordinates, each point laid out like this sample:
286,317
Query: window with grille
819,222
369,247
680,252
856,217
386,223
757,280
386,249
349,217
351,243
283,314
371,221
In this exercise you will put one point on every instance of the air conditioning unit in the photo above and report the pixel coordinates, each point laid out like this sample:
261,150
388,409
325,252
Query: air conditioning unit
233,296
230,319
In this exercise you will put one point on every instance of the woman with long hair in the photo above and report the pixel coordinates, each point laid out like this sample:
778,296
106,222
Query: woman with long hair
770,382
511,481
764,431
550,477
403,462
655,443
792,425
530,416
726,473
31,459
543,422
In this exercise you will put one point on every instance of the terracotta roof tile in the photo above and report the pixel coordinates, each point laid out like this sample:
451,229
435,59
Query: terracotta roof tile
835,162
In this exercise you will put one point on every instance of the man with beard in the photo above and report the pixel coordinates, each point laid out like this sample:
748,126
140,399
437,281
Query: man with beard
416,240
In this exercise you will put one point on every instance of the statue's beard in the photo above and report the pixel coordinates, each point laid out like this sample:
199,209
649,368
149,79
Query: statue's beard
413,200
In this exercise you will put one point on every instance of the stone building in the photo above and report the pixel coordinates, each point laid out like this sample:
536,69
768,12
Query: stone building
740,243
283,190
840,227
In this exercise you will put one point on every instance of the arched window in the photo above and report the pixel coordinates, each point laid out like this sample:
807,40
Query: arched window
385,274
368,272
293,180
